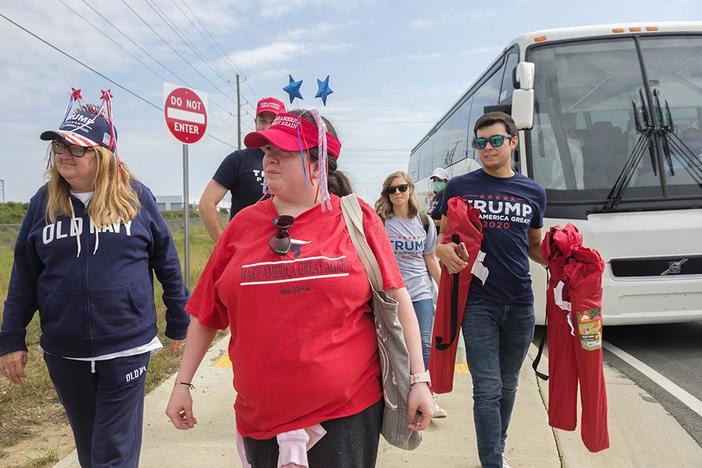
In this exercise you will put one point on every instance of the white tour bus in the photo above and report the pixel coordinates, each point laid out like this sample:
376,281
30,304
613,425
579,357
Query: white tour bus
610,121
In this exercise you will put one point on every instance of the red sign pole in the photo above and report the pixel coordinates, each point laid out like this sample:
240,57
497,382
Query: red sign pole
185,114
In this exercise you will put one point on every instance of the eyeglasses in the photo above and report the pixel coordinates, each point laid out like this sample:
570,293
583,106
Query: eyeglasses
495,141
393,188
280,241
73,150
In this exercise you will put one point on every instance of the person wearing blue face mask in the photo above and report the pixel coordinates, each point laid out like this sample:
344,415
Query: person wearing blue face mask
439,178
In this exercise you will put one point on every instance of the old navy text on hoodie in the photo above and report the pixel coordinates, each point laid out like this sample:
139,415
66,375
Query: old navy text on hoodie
93,286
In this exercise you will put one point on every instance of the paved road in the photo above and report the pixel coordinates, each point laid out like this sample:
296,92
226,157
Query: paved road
674,351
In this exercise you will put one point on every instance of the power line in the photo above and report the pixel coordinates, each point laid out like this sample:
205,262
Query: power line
168,22
102,75
187,42
113,41
181,80
148,25
126,51
216,44
199,29
135,43
204,32
217,47
213,41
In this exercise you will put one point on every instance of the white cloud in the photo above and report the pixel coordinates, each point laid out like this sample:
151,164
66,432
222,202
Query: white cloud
279,8
423,24
482,50
411,57
282,52
276,52
314,31
429,56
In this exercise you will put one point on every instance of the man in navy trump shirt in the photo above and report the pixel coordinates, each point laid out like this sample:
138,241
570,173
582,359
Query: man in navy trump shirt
498,324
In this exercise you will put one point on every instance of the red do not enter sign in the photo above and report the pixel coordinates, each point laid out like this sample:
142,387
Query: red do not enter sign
186,115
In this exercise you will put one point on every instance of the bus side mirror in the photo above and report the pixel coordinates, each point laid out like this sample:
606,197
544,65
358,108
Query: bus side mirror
524,75
523,95
523,108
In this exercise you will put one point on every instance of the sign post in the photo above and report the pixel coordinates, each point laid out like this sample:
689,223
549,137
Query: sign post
185,114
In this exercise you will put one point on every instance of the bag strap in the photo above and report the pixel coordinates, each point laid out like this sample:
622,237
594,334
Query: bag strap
455,278
353,216
537,359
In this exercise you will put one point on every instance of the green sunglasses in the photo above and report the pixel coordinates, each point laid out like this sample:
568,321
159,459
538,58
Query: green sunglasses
495,141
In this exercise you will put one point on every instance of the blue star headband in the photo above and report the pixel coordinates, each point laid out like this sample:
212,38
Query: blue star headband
293,89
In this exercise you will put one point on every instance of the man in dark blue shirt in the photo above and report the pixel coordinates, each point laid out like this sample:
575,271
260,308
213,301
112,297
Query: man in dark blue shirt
498,324
241,173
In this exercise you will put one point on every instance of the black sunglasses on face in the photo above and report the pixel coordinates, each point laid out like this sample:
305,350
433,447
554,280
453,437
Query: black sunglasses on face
74,150
495,141
393,188
280,241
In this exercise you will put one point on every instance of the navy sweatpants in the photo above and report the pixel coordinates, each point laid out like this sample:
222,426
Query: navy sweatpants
105,408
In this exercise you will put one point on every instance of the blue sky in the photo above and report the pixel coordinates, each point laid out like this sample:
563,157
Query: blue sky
395,68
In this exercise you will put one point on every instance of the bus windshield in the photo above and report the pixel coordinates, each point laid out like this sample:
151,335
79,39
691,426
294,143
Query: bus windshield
594,110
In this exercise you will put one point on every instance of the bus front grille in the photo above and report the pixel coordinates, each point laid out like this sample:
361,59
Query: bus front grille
659,266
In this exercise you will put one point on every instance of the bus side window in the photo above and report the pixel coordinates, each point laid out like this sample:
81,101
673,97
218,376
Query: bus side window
507,83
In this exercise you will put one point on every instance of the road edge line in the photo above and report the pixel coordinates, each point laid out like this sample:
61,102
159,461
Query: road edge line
666,384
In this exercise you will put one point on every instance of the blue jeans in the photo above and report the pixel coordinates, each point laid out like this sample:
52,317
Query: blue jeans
425,316
497,337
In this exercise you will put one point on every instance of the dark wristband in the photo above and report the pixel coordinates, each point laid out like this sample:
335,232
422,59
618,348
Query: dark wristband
188,384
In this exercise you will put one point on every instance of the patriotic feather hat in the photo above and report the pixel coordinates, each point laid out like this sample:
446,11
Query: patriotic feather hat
87,125
291,132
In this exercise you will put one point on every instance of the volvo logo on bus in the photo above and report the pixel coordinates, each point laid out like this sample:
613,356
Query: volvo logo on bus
674,267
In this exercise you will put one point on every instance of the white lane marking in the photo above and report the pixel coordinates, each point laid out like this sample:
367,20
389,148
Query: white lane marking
685,398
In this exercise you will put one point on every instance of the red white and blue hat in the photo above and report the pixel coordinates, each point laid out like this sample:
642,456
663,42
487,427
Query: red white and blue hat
86,125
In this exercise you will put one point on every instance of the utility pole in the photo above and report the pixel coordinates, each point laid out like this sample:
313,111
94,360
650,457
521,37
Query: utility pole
238,112
2,191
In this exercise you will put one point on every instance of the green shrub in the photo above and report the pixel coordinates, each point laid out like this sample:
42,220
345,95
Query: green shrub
12,212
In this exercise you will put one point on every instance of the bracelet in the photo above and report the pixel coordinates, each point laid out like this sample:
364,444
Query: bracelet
189,385
419,378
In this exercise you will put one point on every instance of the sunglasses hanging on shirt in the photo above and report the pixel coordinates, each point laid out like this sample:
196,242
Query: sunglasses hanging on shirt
280,241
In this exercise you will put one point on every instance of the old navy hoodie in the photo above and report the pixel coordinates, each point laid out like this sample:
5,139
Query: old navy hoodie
93,287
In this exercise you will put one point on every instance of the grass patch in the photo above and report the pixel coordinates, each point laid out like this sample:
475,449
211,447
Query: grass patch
44,457
23,409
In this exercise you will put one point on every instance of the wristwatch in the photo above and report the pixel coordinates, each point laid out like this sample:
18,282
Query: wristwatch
421,377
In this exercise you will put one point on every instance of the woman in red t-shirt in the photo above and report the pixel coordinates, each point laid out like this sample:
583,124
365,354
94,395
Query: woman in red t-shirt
287,281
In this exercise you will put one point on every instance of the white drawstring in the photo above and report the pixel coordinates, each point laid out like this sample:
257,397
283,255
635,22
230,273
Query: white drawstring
92,367
570,324
97,239
74,228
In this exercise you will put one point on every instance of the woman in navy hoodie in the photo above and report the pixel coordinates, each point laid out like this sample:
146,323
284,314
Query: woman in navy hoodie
89,244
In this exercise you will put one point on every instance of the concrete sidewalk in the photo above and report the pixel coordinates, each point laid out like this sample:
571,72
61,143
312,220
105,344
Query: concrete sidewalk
642,433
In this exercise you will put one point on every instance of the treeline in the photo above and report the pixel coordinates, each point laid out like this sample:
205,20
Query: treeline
12,212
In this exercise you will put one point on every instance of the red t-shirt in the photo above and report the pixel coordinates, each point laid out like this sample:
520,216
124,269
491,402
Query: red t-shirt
303,342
